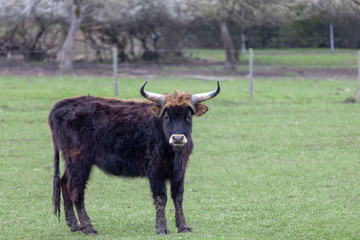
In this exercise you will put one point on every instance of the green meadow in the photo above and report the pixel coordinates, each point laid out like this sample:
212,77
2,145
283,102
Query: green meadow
284,166
299,58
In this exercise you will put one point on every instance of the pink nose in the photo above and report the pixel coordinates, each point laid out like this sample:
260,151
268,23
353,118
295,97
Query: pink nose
178,138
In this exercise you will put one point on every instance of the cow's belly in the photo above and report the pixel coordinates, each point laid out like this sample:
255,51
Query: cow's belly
118,166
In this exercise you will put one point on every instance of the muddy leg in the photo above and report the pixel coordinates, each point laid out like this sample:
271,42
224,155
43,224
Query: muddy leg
86,226
158,189
177,191
68,205
161,226
77,184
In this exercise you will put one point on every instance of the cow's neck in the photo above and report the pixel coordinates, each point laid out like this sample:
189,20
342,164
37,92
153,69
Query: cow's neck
179,161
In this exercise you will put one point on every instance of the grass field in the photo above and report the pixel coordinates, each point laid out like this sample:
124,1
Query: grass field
304,58
285,166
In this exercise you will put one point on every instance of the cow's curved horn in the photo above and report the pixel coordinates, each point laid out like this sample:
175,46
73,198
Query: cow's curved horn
155,97
201,97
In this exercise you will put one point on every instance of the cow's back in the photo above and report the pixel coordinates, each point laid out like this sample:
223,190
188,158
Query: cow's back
115,134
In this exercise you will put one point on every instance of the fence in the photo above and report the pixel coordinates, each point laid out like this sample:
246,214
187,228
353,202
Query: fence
201,64
292,58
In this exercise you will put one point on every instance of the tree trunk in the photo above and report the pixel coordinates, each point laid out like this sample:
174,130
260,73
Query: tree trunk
67,48
228,46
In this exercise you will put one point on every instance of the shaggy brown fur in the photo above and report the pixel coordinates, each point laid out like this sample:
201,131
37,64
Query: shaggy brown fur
178,100
123,139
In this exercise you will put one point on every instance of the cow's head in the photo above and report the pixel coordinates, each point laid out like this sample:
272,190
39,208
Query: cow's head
176,111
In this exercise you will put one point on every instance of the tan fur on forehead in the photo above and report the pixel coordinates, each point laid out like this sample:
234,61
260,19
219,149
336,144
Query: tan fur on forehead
178,99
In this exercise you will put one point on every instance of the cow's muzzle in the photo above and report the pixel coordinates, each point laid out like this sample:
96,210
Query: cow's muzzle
178,140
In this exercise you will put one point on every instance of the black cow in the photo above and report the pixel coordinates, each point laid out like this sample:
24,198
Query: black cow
125,138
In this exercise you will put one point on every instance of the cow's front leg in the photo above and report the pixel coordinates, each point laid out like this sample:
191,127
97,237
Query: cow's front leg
158,189
177,191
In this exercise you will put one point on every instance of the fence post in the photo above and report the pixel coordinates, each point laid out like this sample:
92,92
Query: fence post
243,43
331,38
251,55
359,72
115,70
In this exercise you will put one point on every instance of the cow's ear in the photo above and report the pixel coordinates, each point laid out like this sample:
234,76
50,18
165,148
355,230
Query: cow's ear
155,110
201,109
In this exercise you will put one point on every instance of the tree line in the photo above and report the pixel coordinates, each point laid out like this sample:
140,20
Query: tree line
46,29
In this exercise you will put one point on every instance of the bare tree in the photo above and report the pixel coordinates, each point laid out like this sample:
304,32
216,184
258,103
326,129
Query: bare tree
120,23
246,13
228,45
329,9
31,25
76,16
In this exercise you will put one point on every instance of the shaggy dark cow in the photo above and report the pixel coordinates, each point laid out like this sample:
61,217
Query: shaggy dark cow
125,138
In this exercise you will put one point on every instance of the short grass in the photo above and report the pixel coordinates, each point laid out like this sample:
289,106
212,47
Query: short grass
304,58
285,166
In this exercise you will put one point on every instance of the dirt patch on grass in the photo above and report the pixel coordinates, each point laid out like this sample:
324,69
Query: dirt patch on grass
205,72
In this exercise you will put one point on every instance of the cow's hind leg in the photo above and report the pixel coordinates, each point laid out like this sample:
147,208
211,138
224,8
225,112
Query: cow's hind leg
68,205
78,177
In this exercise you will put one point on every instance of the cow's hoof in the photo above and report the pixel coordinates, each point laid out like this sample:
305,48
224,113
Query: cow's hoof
88,230
75,227
184,229
163,231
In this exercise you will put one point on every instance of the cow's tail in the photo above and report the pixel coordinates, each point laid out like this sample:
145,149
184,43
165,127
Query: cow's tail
56,184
